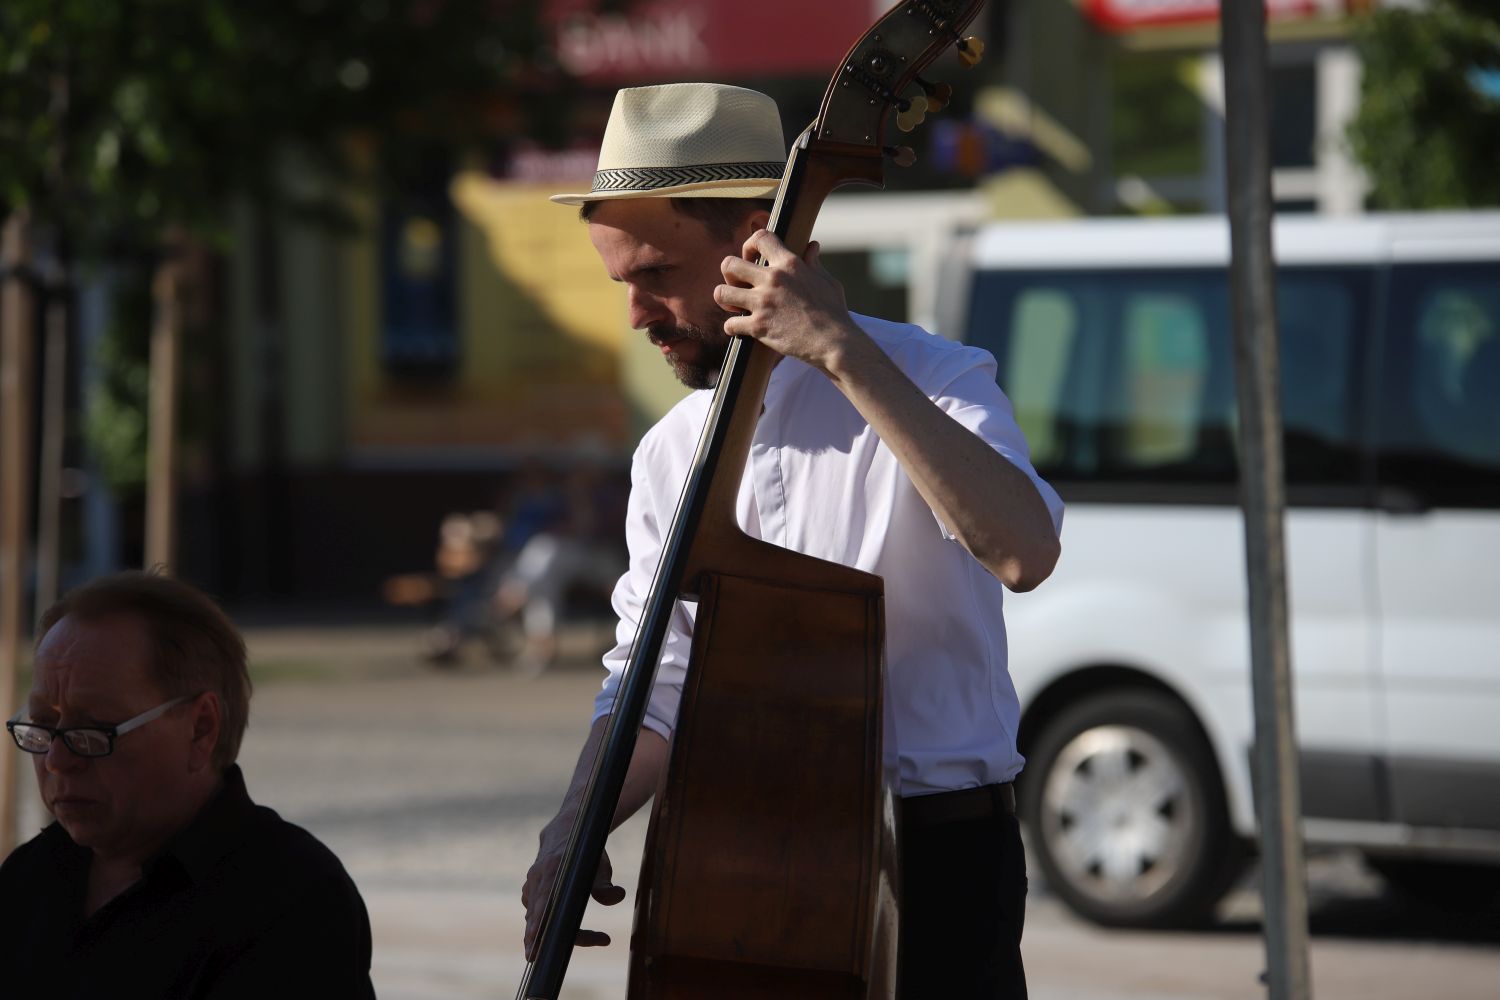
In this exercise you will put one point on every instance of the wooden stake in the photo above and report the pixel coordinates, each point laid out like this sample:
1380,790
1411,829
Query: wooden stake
54,435
161,448
16,318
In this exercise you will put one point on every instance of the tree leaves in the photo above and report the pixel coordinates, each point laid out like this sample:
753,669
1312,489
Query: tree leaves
122,119
1428,130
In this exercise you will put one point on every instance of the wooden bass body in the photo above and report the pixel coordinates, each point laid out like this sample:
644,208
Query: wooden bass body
770,866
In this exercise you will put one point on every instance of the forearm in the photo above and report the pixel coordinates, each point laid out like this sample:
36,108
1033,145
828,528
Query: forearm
989,504
647,764
797,309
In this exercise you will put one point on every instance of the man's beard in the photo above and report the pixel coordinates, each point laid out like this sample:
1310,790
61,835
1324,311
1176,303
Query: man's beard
704,372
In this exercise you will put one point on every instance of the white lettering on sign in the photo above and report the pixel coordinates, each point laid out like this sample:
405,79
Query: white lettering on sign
667,40
538,166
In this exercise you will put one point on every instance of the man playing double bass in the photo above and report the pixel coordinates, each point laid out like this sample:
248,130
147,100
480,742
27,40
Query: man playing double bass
879,446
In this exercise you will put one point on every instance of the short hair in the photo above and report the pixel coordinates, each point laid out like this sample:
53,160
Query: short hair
194,645
719,215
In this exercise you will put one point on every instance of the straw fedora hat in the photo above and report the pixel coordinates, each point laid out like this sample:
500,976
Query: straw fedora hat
688,140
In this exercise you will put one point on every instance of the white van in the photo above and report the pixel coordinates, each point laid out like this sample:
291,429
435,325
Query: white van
1132,663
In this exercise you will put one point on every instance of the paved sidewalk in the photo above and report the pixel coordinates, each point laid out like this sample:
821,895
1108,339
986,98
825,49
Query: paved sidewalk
432,785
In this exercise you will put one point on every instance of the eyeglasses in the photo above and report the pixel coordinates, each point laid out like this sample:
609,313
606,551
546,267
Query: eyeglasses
85,741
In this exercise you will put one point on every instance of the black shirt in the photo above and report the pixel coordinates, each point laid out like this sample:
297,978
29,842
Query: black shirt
240,904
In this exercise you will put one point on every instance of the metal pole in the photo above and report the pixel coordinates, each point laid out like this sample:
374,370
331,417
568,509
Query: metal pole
1263,494
15,487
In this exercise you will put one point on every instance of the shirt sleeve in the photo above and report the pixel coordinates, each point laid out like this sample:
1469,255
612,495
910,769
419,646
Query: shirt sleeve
967,392
647,518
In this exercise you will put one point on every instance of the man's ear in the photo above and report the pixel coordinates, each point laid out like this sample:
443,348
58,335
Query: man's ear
207,719
754,223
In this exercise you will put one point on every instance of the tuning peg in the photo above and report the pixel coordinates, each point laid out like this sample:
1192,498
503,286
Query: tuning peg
912,113
902,156
938,95
970,51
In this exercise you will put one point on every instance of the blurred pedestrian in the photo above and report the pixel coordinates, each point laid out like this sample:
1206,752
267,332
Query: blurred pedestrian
159,877
578,550
476,552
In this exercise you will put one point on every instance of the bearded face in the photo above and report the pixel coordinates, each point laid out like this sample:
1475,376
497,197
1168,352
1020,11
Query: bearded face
694,353
670,265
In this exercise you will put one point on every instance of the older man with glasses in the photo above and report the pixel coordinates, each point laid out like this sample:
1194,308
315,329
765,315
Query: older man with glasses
160,877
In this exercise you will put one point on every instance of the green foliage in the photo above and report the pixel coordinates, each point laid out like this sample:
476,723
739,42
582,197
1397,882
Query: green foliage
116,406
1428,129
121,119
115,412
1156,116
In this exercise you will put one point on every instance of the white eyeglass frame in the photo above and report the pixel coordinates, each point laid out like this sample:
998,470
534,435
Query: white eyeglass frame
111,733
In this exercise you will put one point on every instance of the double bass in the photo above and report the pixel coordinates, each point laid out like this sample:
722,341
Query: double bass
771,860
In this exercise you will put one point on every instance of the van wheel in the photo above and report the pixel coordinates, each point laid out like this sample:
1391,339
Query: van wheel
1126,813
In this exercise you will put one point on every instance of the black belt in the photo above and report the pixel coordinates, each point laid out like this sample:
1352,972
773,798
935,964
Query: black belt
983,802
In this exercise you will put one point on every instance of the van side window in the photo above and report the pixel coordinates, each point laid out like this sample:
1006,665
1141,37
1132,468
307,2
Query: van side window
1163,389
1047,325
1439,413
1321,324
1127,377
1111,380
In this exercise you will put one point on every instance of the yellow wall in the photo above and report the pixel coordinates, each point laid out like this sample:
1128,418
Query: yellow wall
542,335
544,250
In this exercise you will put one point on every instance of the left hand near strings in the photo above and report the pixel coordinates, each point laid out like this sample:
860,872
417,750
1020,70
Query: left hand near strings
791,304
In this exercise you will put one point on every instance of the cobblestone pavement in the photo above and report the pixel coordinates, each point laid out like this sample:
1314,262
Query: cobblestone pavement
431,786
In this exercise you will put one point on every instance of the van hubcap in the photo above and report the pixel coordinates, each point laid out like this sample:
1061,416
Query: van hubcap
1118,814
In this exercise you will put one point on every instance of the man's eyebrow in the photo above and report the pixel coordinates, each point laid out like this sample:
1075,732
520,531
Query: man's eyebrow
106,713
642,267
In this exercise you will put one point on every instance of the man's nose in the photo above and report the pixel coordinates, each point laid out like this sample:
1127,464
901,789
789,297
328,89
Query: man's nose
59,758
645,308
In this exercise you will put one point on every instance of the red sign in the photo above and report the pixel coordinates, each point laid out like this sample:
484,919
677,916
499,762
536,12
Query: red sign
656,40
1127,15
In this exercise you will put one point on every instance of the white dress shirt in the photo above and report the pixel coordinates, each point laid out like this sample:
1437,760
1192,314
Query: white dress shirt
820,481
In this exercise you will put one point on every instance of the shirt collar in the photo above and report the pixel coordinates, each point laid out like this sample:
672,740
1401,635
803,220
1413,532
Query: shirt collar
213,833
68,856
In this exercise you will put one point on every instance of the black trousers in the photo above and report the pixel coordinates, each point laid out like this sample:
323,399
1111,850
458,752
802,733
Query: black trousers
963,898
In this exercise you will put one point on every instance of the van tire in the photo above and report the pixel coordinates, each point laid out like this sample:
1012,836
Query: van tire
1113,855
